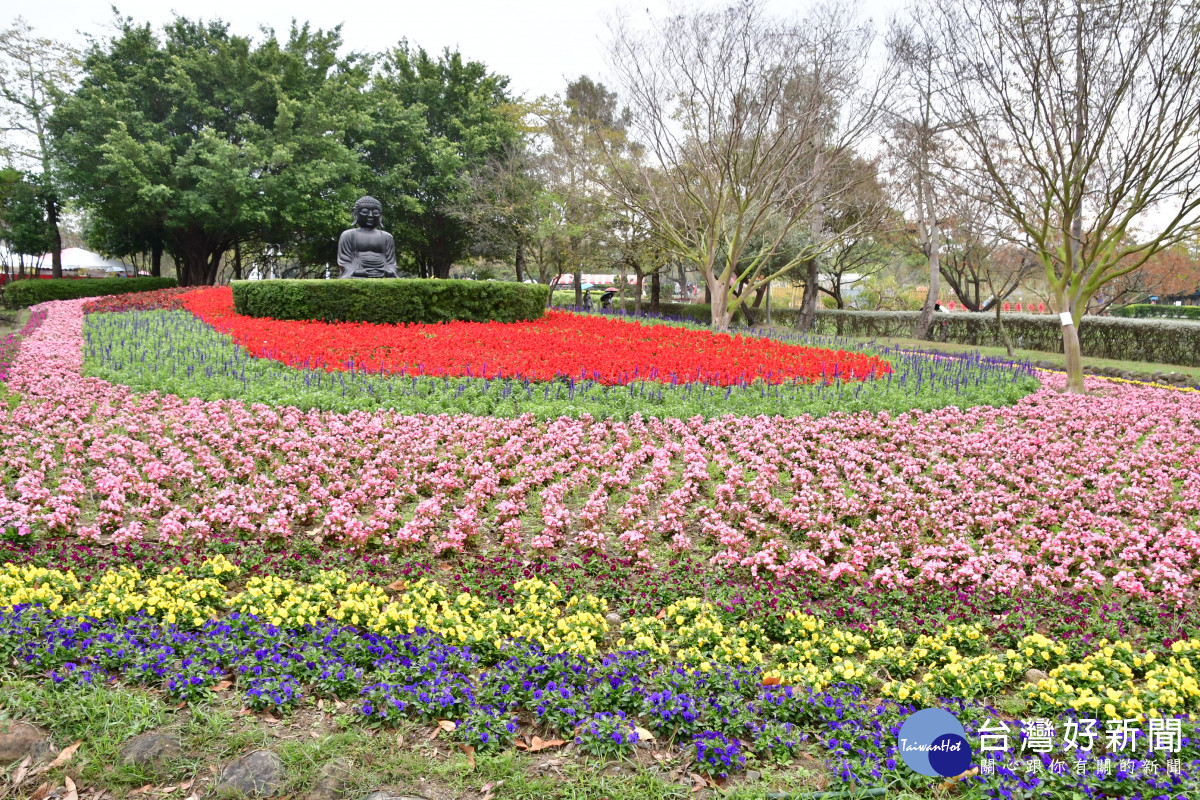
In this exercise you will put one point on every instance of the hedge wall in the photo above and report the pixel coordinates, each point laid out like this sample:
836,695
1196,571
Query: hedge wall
385,300
20,294
1160,341
1143,310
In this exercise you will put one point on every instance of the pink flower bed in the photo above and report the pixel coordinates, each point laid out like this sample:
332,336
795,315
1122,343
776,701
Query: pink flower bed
1056,493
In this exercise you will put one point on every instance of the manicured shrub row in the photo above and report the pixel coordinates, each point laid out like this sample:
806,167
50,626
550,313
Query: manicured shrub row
1161,341
390,301
22,294
1144,310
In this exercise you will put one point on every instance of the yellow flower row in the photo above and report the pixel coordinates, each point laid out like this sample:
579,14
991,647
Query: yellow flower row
798,649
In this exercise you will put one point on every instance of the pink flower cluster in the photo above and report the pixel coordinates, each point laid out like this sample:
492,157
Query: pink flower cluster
1079,493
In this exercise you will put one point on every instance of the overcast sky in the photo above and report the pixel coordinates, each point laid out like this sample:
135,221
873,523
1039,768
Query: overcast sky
539,44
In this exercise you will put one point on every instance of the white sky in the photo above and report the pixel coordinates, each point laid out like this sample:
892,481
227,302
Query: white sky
539,44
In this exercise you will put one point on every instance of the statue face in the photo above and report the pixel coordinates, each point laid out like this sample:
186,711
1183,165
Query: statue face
368,217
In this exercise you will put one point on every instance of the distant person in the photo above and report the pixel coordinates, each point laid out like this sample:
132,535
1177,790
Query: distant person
606,298
587,299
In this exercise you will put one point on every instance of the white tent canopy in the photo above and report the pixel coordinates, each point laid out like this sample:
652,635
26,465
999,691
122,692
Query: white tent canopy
78,258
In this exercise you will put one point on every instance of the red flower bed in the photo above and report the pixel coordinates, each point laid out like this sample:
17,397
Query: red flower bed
138,301
561,344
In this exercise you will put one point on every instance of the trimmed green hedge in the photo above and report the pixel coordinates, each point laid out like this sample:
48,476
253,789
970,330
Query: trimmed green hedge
1158,341
30,292
391,300
1143,310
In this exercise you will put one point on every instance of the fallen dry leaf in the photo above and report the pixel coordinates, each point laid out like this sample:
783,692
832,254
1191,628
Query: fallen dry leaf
269,718
62,758
770,681
489,789
188,783
447,725
544,744
222,686
141,790
72,793
40,792
398,586
22,770
520,744
470,751
643,734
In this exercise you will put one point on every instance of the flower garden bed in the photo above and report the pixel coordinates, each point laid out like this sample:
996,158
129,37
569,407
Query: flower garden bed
564,365
721,592
561,345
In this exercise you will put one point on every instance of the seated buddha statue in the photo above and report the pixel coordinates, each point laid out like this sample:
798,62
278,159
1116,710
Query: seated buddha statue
366,251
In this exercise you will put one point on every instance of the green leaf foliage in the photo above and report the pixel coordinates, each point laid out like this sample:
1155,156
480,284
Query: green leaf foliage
431,124
21,294
1147,310
391,300
200,138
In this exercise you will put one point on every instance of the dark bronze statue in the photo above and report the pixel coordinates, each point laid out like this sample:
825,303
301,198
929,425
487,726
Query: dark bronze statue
366,251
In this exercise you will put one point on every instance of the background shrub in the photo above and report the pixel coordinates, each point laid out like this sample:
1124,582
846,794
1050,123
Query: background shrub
1143,310
387,300
20,294
1161,341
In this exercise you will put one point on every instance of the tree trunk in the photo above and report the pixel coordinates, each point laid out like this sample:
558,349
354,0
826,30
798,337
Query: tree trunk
237,259
655,290
933,245
808,305
1071,350
1003,332
638,287
707,293
749,310
56,237
578,286
520,260
622,286
720,311
156,251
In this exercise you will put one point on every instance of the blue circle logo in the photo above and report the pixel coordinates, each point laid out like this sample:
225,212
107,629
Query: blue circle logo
934,743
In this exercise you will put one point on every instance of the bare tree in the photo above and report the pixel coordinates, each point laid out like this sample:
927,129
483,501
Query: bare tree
980,262
858,225
743,116
918,144
1083,117
34,73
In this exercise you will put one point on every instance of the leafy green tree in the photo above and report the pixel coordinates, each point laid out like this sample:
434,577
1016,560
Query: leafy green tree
201,139
24,228
435,124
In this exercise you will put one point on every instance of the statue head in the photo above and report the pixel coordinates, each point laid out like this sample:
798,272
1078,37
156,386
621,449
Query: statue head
368,212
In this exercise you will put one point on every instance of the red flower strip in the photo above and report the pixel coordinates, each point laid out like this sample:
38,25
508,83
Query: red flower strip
604,349
138,301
